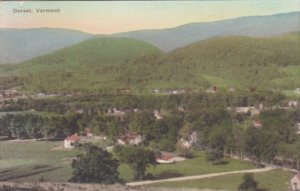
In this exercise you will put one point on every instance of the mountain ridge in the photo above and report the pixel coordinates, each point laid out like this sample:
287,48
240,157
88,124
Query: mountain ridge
235,61
13,49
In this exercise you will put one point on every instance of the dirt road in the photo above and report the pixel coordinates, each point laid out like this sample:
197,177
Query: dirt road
141,183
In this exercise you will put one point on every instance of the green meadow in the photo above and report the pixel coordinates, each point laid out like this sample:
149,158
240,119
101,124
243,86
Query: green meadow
275,180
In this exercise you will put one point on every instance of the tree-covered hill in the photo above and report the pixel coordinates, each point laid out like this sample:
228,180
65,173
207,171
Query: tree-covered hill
97,51
109,64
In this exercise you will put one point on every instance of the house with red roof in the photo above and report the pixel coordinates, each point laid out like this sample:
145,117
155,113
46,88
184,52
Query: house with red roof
168,158
71,141
165,159
295,182
257,123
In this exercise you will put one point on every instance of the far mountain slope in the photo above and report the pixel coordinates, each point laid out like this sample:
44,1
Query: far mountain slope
17,45
254,26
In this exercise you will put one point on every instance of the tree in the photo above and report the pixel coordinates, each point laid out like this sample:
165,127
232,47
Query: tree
95,166
137,158
248,184
215,157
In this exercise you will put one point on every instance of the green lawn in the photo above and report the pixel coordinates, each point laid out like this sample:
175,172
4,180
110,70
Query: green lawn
32,153
275,180
194,166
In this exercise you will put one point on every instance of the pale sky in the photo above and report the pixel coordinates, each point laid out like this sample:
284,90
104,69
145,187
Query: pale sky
106,17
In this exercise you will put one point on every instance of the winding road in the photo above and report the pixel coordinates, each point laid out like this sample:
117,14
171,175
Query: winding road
141,183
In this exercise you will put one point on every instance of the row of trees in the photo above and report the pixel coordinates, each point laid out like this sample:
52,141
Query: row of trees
25,126
99,103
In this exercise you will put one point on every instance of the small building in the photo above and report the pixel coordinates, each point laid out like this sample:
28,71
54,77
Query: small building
190,141
157,115
71,141
167,158
298,128
79,111
130,139
295,182
181,108
184,143
88,132
156,91
252,110
257,123
231,89
293,104
212,89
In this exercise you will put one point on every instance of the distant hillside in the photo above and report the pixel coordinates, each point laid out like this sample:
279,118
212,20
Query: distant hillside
17,45
255,26
96,51
239,62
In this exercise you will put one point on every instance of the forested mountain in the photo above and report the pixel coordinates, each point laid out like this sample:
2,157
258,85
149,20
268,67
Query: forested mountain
109,63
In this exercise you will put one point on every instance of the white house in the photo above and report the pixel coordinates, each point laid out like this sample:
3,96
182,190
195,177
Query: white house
130,138
252,110
192,139
298,128
295,182
184,143
71,141
88,132
157,115
293,104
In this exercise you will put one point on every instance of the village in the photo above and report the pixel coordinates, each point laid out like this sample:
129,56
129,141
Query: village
178,132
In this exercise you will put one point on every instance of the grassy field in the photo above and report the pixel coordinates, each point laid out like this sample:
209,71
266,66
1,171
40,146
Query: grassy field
194,166
24,156
275,180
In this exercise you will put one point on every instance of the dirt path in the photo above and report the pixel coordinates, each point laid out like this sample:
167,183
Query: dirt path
141,183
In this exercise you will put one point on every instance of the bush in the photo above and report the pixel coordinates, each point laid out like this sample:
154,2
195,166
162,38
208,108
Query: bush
248,184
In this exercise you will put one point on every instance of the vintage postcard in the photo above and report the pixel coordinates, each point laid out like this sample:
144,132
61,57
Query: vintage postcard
150,95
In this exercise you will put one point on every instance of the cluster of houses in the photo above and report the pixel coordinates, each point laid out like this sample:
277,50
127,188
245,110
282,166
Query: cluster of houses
11,94
251,110
131,138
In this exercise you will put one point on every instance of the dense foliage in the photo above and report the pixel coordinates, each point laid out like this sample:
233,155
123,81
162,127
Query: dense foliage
137,158
95,166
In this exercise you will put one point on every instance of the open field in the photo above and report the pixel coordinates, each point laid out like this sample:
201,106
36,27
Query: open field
195,166
25,156
275,180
